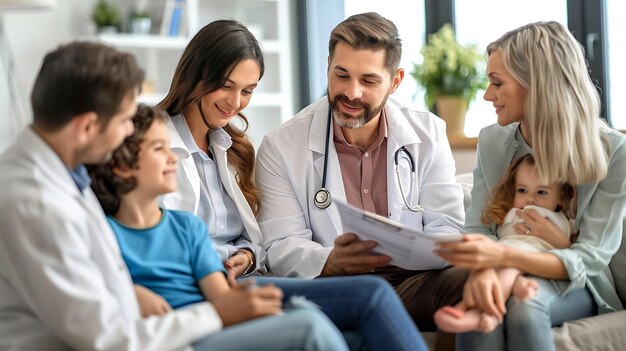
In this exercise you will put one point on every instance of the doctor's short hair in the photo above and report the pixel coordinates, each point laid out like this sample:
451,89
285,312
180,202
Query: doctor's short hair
83,77
369,31
105,183
503,194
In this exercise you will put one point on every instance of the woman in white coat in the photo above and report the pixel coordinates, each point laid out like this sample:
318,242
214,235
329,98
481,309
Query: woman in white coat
213,83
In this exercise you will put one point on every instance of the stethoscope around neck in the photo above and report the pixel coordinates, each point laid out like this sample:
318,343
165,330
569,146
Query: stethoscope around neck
323,198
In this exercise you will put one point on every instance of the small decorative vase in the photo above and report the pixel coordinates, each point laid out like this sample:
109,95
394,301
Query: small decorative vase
141,25
107,30
452,109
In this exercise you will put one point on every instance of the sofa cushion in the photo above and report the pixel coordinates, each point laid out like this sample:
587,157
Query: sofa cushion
603,332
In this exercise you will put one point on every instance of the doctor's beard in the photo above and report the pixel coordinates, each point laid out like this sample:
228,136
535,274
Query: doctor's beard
351,121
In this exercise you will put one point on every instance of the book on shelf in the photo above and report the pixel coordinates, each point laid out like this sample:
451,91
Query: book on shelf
173,18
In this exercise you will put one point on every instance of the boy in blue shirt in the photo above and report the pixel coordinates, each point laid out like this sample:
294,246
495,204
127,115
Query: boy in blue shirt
172,273
168,253
172,262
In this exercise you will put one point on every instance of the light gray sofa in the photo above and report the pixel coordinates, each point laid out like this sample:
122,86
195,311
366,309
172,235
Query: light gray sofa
604,332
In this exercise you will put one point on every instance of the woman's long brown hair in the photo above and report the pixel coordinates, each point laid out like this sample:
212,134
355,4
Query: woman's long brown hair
207,62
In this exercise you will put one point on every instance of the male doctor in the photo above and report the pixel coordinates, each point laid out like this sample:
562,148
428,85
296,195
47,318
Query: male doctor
63,282
350,153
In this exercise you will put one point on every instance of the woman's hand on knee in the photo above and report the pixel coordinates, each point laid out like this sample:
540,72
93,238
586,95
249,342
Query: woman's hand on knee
240,262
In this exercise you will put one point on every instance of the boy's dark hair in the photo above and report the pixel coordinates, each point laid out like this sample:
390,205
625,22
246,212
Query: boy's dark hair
107,185
83,77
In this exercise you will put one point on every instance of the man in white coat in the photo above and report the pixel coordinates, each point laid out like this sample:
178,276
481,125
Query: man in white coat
63,282
351,155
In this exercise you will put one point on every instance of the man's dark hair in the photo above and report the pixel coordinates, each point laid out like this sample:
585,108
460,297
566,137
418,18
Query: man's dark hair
83,77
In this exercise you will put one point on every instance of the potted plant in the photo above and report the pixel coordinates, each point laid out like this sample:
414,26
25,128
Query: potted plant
106,17
140,22
451,74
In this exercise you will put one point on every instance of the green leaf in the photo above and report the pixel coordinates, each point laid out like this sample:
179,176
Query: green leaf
449,68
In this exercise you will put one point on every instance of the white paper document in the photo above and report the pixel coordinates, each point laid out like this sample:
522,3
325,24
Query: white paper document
408,248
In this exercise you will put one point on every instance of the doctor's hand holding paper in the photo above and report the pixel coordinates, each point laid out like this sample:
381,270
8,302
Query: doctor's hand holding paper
353,256
360,147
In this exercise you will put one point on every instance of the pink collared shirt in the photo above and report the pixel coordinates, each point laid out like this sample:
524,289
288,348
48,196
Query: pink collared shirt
364,172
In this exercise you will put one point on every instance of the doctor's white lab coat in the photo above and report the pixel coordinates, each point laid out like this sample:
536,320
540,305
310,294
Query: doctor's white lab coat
298,236
63,282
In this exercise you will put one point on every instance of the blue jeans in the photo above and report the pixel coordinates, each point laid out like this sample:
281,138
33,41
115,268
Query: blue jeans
365,305
296,329
527,324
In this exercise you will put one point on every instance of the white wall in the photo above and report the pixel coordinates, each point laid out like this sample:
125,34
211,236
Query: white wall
31,34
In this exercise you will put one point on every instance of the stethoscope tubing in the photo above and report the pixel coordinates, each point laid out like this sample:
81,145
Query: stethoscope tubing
323,197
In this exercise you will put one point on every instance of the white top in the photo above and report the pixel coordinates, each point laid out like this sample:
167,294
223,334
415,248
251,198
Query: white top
192,182
508,235
63,282
298,236
216,208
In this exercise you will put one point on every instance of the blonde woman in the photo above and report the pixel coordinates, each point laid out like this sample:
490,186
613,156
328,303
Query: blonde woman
521,188
546,106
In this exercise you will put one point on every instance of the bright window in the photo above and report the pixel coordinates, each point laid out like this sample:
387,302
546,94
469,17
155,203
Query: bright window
617,56
408,16
483,21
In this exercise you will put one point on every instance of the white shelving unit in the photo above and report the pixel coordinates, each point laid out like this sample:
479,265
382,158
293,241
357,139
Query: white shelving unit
127,40
273,100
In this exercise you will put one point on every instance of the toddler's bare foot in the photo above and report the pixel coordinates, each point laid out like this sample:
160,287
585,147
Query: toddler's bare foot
455,320
487,323
524,288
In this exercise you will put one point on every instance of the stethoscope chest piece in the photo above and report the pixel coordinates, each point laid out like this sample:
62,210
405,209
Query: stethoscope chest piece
322,199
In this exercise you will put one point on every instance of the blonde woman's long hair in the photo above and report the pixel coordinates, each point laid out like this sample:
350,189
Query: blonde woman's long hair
562,106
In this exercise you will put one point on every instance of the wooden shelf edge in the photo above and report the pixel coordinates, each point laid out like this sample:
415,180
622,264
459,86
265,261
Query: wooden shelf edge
153,41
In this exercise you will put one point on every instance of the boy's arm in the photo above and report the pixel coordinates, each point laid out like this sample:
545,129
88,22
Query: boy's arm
207,266
213,286
150,303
